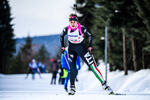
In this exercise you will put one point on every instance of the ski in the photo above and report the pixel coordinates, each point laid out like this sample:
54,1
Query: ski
117,94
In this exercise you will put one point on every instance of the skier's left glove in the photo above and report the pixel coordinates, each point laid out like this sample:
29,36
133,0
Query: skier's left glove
90,50
63,50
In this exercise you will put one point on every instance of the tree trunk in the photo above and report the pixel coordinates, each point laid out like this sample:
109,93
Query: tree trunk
134,54
124,53
109,56
2,65
143,63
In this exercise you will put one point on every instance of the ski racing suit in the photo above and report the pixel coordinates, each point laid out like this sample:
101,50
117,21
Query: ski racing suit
34,66
77,48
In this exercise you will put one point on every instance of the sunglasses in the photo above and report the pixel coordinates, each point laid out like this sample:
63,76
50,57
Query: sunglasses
72,17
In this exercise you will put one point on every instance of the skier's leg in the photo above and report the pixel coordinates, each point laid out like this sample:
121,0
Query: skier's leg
55,73
38,71
52,78
100,78
86,57
66,82
59,81
72,63
33,75
27,73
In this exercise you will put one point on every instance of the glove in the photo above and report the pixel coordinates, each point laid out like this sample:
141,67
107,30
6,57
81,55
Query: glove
90,50
63,49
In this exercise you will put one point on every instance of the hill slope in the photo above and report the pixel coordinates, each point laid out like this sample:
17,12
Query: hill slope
51,42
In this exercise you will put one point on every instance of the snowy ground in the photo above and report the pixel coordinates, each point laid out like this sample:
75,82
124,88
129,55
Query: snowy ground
135,85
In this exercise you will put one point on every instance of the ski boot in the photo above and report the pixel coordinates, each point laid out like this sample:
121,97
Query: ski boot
72,90
107,88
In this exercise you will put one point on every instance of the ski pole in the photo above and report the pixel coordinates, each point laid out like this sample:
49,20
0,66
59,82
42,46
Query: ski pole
94,60
66,61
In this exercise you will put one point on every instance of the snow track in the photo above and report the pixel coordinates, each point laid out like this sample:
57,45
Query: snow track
135,85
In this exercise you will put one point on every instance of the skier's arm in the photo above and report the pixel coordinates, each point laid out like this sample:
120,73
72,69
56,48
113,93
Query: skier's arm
85,31
30,65
64,32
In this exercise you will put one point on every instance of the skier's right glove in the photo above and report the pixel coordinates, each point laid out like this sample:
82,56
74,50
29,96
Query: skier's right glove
63,50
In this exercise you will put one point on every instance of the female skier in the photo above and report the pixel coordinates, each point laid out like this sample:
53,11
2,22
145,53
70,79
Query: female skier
75,33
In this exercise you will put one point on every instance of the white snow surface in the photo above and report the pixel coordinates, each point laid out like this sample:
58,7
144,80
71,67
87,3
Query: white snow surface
136,86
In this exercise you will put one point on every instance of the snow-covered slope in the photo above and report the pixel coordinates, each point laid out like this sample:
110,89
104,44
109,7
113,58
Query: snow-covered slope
136,85
134,82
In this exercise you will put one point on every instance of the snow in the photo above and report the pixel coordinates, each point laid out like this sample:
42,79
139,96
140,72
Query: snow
136,85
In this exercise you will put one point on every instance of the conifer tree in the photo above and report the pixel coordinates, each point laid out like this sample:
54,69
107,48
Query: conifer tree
17,65
122,15
7,41
107,13
128,31
20,63
42,54
27,52
143,7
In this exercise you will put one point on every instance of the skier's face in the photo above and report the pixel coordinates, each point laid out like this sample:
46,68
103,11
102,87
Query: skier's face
73,24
